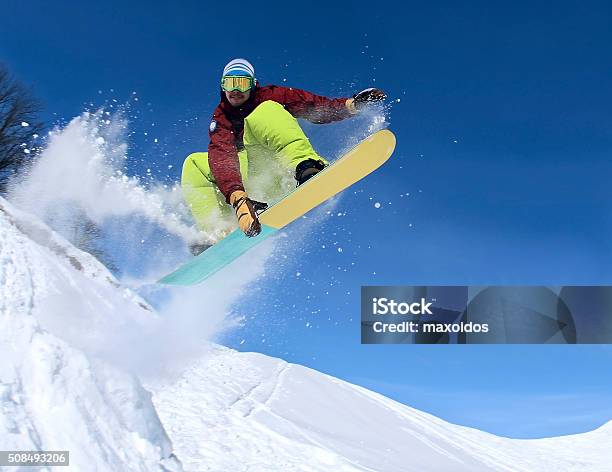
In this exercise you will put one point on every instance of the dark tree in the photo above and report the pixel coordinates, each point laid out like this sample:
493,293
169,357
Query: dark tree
19,126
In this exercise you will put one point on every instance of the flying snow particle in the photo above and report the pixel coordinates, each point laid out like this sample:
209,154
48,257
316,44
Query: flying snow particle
377,205
25,124
339,249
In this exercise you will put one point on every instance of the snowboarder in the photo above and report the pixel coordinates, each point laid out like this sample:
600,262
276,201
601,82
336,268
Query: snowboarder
249,119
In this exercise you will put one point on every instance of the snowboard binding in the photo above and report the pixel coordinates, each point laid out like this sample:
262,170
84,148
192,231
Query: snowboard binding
308,169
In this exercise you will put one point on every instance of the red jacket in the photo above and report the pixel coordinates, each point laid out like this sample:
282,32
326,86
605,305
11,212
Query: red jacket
227,127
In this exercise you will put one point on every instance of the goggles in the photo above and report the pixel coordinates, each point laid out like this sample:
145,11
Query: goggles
237,82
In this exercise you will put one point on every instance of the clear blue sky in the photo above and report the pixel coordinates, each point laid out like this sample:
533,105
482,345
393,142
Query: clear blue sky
504,145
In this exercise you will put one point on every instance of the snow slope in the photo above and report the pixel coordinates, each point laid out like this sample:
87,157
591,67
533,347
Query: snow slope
62,387
52,395
248,412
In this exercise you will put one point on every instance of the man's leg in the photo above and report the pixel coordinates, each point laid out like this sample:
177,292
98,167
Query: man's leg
272,127
200,191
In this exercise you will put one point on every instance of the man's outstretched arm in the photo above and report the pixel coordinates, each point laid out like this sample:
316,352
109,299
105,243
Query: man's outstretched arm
320,109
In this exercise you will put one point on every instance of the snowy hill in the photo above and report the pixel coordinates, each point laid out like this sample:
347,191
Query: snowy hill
248,412
64,386
52,395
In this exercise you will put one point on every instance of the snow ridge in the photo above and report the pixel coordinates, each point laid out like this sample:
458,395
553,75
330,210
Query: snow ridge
261,414
53,396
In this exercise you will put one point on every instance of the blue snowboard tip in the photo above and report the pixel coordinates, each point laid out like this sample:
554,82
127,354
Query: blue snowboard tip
216,257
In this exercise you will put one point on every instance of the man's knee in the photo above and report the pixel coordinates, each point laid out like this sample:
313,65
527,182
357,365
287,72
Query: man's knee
196,171
266,112
270,106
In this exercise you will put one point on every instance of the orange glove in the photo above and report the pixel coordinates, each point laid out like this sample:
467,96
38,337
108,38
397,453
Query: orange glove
246,211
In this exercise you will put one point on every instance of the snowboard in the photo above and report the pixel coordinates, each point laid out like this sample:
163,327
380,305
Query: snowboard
356,164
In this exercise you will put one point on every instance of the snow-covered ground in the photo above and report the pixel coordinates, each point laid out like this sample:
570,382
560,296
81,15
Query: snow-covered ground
236,412
52,395
63,387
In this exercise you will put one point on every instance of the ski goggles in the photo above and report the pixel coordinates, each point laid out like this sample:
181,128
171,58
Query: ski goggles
241,83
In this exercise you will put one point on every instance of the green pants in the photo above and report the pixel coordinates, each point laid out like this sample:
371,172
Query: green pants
270,131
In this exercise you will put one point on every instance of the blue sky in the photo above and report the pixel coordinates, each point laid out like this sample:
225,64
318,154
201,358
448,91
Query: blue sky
504,144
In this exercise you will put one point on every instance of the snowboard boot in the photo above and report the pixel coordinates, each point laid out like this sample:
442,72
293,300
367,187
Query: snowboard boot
198,248
307,169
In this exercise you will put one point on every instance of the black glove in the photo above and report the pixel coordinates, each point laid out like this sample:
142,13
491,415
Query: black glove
367,96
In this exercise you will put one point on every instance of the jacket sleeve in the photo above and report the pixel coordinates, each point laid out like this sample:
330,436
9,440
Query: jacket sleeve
307,105
223,156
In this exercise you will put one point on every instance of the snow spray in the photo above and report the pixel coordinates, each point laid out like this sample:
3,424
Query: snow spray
81,174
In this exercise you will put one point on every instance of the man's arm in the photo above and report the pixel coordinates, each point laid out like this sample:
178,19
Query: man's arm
307,105
225,168
223,156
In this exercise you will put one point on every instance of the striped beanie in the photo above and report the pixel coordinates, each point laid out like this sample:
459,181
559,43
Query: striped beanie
239,67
